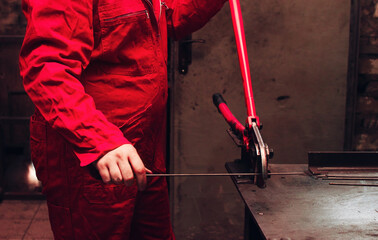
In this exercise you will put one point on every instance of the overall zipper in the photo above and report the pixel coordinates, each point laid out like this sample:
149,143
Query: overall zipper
151,6
128,15
162,4
165,5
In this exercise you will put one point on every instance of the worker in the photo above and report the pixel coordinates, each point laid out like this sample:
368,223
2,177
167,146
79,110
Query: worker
96,71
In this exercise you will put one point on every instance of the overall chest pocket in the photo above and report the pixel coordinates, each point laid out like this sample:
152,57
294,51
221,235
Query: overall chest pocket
127,37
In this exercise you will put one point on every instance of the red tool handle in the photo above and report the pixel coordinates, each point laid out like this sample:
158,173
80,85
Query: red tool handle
237,21
220,103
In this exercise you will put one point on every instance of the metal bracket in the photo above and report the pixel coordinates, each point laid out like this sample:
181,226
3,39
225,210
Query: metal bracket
185,53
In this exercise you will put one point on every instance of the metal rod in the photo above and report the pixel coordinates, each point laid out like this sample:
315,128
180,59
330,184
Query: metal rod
347,168
352,178
350,175
354,184
216,174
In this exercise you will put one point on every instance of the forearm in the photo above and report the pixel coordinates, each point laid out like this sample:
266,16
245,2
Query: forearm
187,16
57,47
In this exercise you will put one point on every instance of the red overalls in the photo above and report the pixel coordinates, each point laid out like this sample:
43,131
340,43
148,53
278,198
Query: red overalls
96,71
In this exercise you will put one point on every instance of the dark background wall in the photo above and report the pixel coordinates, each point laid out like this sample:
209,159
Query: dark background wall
366,132
11,19
298,53
15,105
12,28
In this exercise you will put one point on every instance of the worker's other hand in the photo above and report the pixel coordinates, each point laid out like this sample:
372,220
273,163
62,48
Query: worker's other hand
121,166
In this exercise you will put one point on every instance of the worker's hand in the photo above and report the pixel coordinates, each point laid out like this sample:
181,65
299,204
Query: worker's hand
122,165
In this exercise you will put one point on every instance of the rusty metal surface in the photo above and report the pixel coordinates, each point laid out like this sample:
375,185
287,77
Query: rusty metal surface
304,207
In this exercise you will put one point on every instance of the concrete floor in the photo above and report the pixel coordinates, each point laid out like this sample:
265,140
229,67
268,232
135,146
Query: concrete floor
26,220
29,220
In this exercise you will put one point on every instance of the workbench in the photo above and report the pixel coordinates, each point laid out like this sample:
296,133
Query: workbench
305,207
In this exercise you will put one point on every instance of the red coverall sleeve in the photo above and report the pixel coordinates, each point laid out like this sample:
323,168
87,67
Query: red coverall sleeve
187,16
57,47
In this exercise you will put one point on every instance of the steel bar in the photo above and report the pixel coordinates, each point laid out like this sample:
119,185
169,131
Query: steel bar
351,178
347,168
368,175
354,161
217,174
354,184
